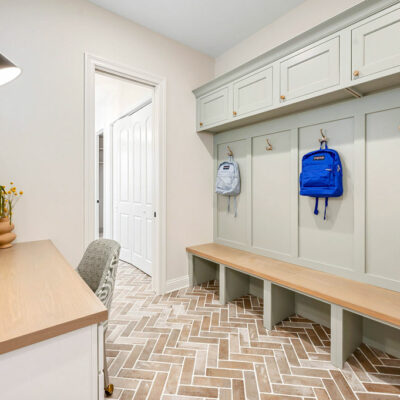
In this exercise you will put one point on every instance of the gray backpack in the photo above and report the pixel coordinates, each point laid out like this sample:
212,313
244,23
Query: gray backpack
228,181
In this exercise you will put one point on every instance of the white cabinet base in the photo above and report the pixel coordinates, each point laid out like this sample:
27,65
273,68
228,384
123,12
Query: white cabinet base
61,368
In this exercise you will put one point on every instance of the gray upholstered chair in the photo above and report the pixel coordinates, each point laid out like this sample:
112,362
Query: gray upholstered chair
98,269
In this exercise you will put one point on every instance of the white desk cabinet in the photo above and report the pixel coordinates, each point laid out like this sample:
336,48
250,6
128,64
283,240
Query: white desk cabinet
51,331
376,45
253,92
61,368
214,108
310,71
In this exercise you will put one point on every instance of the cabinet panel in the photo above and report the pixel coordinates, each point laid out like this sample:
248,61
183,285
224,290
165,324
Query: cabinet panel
383,194
229,227
252,92
376,45
214,108
329,242
310,71
271,185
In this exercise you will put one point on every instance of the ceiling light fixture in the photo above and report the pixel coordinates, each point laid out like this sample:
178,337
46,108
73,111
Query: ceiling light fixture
8,70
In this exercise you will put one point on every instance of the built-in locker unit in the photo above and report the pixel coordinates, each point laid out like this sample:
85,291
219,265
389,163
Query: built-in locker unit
339,83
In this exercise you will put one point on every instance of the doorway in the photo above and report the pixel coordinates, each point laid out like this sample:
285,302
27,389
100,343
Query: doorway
125,211
125,155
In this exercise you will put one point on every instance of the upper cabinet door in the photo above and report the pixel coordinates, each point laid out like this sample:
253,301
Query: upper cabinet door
376,45
214,108
252,92
310,71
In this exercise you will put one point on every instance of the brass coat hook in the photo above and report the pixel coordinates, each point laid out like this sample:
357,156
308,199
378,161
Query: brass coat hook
323,139
269,147
230,153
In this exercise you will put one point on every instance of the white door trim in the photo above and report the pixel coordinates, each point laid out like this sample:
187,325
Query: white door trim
93,64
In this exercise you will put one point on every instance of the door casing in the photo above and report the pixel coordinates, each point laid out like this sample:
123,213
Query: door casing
95,64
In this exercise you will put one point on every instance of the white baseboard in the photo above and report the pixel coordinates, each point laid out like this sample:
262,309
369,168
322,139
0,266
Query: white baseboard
177,283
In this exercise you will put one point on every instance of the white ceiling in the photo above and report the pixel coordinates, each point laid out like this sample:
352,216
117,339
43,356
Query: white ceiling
210,26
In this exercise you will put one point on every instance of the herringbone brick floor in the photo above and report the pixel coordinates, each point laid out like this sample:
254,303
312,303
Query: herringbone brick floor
184,345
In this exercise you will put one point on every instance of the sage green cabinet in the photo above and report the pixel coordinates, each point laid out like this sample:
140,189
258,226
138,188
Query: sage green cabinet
252,93
356,56
376,45
310,71
272,193
383,194
331,241
214,108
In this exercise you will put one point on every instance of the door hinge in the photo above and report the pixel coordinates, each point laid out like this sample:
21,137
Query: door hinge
155,214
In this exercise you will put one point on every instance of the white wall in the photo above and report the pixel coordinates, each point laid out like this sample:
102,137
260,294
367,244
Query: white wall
300,19
42,120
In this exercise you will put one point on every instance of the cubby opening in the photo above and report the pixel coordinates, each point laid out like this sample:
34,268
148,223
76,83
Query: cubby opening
376,335
238,284
204,271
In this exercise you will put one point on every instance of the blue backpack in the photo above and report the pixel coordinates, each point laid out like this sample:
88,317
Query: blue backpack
321,175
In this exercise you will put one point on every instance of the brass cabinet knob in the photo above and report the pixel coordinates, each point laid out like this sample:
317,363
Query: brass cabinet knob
283,97
356,73
201,124
234,113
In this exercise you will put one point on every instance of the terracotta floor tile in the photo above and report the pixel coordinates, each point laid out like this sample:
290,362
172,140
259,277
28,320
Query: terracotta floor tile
238,390
185,346
198,391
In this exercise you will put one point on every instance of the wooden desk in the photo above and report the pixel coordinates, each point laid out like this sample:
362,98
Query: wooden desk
49,333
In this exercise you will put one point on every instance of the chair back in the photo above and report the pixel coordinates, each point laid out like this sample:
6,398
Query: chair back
98,268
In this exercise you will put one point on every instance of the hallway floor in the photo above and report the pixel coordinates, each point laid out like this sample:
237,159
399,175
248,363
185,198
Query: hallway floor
184,345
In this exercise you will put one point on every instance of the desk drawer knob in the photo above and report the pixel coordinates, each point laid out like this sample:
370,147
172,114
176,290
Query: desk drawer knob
283,97
356,73
234,113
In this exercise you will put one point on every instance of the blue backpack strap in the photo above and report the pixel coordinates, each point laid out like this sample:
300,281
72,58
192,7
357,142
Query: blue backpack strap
322,144
316,206
326,205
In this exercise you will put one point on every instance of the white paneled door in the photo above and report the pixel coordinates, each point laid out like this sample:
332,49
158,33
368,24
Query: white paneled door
133,187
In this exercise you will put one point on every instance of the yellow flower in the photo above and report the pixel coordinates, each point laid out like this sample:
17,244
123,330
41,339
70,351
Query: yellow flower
9,192
13,189
21,192
11,183
15,194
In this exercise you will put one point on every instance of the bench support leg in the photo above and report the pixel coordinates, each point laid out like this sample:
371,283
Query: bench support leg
278,304
346,334
236,284
222,284
190,268
201,270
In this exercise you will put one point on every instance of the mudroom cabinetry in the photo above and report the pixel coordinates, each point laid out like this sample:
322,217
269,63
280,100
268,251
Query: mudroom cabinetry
310,71
376,45
214,108
351,55
252,92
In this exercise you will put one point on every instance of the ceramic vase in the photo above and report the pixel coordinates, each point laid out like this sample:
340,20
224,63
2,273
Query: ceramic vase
6,234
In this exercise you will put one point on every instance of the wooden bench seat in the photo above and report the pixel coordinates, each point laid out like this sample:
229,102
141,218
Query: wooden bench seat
282,279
